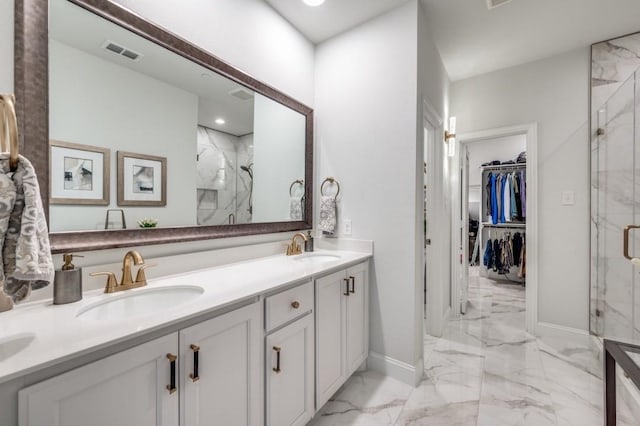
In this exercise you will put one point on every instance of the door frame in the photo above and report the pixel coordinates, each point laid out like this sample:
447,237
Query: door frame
530,130
436,260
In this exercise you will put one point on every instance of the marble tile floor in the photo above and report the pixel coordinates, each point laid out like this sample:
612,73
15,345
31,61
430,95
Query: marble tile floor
485,370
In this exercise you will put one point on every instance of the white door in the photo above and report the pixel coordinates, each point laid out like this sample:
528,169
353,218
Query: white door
464,223
220,370
289,371
357,317
128,388
330,336
434,286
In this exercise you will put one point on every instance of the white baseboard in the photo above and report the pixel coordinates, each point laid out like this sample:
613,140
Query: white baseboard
407,373
446,317
560,331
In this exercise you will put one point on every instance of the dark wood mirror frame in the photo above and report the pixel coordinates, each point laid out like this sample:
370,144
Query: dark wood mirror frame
32,107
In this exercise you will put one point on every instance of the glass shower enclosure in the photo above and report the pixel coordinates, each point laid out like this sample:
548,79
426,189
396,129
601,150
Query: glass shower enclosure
615,187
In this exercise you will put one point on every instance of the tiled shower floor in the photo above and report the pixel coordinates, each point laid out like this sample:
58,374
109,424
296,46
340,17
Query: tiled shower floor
485,370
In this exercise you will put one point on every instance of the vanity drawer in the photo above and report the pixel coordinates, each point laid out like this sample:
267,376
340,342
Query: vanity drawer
283,307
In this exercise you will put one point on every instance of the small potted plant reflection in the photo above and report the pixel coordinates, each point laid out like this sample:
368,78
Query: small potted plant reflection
148,222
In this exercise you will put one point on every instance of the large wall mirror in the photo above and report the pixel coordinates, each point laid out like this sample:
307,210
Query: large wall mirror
145,128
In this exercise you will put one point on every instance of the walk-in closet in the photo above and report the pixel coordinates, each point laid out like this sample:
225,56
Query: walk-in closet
502,231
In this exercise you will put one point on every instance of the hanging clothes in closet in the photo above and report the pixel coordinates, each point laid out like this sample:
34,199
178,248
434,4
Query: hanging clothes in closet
505,253
506,196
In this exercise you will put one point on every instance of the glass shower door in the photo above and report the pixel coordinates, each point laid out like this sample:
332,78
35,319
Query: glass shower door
615,198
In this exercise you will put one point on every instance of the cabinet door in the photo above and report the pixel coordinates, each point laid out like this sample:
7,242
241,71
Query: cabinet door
227,388
290,374
357,317
128,388
330,335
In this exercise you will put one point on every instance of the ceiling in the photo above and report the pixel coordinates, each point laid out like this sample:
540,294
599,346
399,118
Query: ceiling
473,40
331,18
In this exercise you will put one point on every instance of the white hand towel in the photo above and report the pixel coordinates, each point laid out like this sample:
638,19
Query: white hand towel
26,253
295,208
328,214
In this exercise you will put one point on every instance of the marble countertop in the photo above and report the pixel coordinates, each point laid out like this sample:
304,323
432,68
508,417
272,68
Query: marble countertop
59,335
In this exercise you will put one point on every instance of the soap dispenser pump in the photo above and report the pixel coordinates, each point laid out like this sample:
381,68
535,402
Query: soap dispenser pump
308,244
67,282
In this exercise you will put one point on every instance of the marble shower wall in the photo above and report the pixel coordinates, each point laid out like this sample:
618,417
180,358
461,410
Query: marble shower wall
223,187
615,177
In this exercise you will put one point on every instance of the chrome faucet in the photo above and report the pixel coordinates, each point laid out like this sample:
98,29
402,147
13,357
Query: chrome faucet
126,282
294,247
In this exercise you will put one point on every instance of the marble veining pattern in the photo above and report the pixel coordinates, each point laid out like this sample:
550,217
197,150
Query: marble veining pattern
223,187
484,370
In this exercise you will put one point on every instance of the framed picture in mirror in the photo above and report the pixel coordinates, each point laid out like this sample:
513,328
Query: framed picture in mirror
142,180
79,174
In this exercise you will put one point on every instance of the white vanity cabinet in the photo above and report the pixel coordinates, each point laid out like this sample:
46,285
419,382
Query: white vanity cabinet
342,328
155,384
289,356
220,370
128,388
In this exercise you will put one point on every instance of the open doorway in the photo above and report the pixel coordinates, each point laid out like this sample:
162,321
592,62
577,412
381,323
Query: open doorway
495,216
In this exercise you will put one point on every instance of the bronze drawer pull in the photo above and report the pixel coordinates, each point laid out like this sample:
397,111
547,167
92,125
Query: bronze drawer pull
277,368
353,285
196,355
295,304
346,280
172,365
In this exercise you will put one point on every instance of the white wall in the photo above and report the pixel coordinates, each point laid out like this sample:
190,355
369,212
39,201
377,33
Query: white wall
433,88
266,46
367,93
553,92
278,158
6,46
99,103
246,33
501,149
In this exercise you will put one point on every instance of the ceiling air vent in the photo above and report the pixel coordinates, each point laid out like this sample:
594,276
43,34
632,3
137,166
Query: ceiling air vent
121,50
492,4
242,93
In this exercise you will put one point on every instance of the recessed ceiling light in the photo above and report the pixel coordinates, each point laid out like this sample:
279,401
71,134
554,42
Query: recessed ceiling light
313,3
220,121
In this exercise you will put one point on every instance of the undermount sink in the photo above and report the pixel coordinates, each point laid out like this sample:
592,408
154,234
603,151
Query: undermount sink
316,257
141,302
11,345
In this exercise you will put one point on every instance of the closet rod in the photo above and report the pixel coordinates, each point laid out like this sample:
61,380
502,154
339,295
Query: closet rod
499,225
504,166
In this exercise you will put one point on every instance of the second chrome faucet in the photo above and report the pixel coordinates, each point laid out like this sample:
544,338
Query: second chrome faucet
126,282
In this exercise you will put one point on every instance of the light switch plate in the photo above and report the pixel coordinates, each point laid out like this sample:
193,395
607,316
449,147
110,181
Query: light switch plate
568,198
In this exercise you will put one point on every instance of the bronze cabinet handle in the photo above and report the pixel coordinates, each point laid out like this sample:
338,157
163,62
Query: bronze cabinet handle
627,231
172,365
277,368
346,280
353,285
295,304
196,359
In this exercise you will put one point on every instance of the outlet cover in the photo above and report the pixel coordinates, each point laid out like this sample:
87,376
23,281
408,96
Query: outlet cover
347,227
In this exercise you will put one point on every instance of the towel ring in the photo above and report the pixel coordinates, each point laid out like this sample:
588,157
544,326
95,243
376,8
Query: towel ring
297,181
330,180
9,129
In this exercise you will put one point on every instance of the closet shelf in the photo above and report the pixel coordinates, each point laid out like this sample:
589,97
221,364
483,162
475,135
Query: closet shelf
504,166
504,225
